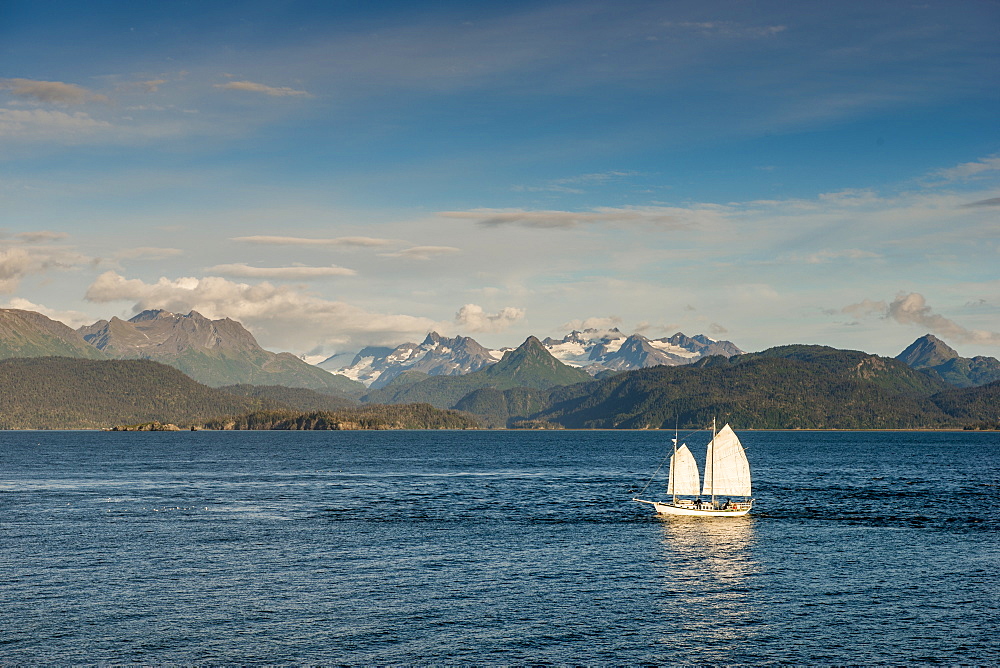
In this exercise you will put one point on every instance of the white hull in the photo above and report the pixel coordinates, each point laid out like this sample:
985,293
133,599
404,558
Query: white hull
670,509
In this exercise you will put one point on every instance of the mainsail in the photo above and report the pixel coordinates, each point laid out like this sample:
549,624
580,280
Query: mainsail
683,473
727,471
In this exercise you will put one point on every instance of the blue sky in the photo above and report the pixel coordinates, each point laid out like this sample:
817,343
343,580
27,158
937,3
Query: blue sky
338,174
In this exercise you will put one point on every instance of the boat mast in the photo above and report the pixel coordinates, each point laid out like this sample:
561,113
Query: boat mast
673,470
712,483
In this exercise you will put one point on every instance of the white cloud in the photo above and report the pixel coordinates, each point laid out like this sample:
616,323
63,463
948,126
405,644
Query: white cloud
969,170
912,309
46,124
849,198
866,308
359,242
250,86
50,92
42,236
601,324
292,273
17,262
473,318
152,85
423,252
661,216
282,317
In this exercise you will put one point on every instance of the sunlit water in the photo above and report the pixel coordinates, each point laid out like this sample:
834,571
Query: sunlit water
492,548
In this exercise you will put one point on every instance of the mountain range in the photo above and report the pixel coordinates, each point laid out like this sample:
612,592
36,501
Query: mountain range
436,356
598,351
927,385
595,351
528,366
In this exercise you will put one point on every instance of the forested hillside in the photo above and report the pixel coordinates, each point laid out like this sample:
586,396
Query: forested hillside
70,393
808,387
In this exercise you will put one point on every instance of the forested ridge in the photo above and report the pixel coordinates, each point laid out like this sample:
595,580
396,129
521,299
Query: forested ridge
806,387
76,393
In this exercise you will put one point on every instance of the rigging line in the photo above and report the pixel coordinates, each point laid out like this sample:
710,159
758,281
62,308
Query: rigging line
650,481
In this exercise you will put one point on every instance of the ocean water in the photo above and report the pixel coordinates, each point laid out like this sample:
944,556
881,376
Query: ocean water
492,548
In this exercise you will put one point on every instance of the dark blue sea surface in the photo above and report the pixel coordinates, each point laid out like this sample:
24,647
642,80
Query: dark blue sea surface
492,548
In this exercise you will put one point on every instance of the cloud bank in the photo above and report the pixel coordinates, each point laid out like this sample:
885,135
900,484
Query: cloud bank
251,87
48,124
50,92
602,324
912,309
240,270
662,216
26,254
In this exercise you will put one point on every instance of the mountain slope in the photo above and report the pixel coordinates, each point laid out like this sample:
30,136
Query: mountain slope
972,405
788,387
931,354
499,408
213,352
70,393
927,351
30,334
530,365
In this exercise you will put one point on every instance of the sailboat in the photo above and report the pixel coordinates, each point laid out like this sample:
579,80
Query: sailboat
727,474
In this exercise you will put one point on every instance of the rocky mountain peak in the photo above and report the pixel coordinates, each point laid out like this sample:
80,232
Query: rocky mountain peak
432,339
154,333
151,314
927,351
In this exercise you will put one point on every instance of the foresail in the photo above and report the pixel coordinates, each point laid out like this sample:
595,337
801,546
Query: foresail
727,471
683,473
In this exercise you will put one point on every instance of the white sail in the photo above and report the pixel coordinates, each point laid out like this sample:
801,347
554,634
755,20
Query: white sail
683,473
727,471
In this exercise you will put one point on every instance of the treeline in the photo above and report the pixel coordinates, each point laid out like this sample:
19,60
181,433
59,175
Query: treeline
374,416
